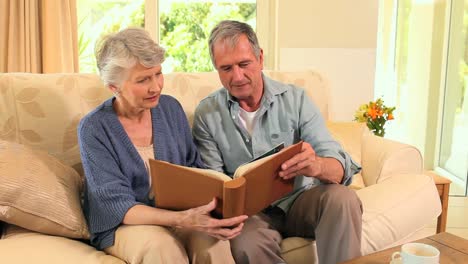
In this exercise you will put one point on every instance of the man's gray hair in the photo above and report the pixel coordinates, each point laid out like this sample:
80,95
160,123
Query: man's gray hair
116,53
230,31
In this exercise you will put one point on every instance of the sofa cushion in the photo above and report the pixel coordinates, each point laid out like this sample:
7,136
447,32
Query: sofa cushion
350,136
299,250
39,193
22,246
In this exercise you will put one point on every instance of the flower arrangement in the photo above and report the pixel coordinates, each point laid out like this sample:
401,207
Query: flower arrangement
375,114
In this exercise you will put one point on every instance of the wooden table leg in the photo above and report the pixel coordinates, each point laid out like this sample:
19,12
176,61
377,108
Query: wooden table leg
442,219
443,187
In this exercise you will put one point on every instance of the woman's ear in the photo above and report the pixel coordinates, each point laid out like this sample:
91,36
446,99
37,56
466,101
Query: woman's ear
114,89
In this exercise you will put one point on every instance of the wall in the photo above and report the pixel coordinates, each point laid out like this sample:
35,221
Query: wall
337,38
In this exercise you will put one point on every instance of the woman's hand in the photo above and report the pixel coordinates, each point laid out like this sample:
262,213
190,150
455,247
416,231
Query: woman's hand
199,219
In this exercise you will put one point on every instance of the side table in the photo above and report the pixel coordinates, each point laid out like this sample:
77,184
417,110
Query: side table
443,187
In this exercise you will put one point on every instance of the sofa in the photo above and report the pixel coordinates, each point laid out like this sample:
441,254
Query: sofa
41,178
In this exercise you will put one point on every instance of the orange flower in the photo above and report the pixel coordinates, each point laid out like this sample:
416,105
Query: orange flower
372,112
379,112
375,115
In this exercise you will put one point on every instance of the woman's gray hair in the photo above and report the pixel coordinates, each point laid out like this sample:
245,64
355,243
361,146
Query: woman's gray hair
230,31
116,53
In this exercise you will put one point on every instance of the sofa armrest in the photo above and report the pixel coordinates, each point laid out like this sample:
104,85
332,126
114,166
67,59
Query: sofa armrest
381,158
396,208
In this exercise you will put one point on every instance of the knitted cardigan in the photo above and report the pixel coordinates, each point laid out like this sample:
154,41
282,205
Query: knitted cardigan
116,177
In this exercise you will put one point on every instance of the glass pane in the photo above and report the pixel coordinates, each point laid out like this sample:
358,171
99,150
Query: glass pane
185,27
99,17
401,54
454,142
408,52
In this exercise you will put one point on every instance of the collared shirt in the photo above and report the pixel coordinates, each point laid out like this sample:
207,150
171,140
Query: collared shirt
286,114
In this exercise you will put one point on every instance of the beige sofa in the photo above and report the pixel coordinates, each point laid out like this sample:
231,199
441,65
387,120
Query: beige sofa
39,192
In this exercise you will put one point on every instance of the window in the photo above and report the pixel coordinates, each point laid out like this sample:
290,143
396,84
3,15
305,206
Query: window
423,69
453,154
181,27
98,18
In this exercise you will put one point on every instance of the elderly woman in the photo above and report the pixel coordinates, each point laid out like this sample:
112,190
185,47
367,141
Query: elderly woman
117,139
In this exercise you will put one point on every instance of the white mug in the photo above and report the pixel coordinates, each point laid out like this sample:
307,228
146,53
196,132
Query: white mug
416,253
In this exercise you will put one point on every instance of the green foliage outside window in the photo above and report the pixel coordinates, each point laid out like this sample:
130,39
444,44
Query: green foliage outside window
99,18
184,29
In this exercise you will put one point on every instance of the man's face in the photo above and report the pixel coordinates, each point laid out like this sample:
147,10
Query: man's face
239,70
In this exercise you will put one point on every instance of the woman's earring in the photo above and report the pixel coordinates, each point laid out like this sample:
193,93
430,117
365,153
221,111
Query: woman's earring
116,93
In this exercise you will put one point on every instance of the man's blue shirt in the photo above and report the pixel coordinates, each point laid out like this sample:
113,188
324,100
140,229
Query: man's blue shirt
286,114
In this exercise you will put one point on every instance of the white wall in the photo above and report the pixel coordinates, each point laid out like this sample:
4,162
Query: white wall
337,38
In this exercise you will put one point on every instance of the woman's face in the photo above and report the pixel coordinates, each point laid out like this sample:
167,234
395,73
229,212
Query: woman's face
142,87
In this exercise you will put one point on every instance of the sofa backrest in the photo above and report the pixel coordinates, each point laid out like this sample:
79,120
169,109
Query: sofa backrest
191,88
43,110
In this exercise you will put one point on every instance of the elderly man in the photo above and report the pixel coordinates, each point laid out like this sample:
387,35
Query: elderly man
252,114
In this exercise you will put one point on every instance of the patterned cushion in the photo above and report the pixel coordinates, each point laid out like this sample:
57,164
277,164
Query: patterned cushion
40,193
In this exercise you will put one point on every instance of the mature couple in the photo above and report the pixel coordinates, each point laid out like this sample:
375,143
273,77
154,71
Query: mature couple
231,126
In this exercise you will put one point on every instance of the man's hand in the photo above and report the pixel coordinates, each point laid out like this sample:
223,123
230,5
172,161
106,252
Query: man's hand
199,219
308,164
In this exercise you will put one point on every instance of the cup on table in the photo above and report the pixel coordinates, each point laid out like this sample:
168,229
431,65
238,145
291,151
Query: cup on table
416,253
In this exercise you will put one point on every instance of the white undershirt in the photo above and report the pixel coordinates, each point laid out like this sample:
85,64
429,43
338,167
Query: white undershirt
248,119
